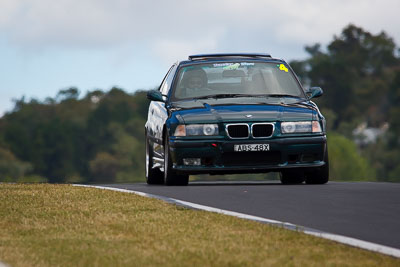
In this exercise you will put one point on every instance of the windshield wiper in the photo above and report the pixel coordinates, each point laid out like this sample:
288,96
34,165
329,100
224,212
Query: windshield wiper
282,95
223,96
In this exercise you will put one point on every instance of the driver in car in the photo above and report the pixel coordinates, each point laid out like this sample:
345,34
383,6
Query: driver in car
194,82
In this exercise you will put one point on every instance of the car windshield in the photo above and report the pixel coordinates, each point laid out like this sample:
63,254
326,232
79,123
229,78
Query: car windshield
235,79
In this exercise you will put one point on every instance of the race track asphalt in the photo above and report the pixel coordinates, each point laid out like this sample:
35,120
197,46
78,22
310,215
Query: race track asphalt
362,210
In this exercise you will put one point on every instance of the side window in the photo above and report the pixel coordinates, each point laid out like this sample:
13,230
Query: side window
168,80
164,79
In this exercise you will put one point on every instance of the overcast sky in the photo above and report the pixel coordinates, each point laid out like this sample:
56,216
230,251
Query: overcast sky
48,45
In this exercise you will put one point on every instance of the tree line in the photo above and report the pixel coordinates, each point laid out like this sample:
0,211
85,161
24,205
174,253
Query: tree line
66,139
99,137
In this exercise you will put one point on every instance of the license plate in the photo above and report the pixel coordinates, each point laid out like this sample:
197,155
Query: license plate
251,147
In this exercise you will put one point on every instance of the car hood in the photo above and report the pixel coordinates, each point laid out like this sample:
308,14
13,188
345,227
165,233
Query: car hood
241,111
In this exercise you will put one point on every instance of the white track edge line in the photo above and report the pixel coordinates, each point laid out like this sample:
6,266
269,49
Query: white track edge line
334,237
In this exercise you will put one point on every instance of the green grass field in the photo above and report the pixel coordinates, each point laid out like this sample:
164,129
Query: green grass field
62,225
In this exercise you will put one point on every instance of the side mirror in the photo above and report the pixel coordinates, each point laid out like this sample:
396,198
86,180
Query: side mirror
314,92
155,95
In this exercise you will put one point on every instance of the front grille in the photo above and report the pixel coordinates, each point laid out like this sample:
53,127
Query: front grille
238,130
255,158
262,130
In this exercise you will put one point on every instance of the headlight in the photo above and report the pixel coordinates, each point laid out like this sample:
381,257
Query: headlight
196,129
300,127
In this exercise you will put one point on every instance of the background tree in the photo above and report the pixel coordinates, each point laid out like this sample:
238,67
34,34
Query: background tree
355,73
359,73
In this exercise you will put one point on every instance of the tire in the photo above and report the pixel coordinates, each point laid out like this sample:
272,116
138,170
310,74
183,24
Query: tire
319,175
292,177
153,176
170,176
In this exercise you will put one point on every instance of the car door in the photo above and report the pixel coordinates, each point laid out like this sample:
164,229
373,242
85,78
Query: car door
158,114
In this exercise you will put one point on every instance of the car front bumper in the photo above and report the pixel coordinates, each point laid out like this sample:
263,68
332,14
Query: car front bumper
218,156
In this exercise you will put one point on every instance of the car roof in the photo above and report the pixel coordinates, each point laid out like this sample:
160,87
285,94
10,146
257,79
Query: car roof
227,56
224,55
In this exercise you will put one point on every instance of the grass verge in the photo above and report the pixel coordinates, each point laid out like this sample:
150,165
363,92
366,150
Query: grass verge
62,225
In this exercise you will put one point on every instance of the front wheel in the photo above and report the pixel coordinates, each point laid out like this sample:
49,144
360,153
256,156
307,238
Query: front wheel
319,175
153,176
170,176
292,177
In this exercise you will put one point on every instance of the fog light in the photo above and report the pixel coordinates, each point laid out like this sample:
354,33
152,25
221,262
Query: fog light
193,161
